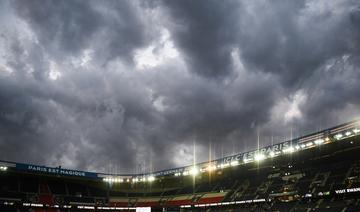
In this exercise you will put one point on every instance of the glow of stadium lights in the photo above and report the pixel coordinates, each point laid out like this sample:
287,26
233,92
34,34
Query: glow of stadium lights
135,180
234,163
259,157
211,168
356,130
272,154
348,133
303,146
185,173
151,179
224,165
327,139
338,136
309,144
3,168
289,150
297,147
319,141
194,171
247,160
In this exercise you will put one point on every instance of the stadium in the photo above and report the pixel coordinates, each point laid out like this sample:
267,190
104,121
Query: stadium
316,172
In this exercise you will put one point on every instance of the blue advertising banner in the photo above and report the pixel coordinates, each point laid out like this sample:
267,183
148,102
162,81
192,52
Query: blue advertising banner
56,171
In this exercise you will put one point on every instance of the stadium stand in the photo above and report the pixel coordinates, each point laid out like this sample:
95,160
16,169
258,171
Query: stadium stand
322,176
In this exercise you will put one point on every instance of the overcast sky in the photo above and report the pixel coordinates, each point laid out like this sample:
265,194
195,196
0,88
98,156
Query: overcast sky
131,86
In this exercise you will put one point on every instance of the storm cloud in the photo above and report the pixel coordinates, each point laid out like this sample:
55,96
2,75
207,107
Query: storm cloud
133,86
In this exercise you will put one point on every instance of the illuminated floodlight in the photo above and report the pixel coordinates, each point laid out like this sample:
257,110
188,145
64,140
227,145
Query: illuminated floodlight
259,157
194,171
338,136
356,130
128,180
151,179
319,141
309,144
272,154
348,133
234,163
118,180
177,174
185,173
327,139
3,168
211,168
135,180
289,150
303,146
246,160
297,147
224,165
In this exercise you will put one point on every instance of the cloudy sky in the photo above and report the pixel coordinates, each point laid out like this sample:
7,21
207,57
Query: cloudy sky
131,86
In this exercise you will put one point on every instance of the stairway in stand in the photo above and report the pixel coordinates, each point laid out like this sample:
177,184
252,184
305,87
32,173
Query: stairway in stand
45,198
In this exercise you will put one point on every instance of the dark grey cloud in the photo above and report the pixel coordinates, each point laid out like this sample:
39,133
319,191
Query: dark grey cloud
205,33
130,86
67,28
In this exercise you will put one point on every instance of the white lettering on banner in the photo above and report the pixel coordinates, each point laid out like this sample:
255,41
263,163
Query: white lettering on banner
56,171
348,190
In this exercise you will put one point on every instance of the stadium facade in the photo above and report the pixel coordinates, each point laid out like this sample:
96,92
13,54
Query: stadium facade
316,172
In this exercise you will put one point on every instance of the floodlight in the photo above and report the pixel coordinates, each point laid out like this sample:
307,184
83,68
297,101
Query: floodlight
348,133
259,157
319,141
356,130
289,150
246,160
309,144
224,165
338,136
272,154
211,168
151,178
3,168
194,171
234,163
